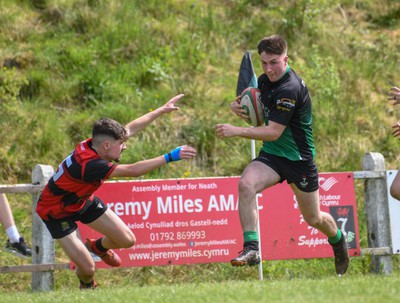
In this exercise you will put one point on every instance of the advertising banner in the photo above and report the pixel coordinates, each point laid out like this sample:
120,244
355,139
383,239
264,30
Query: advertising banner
394,213
191,221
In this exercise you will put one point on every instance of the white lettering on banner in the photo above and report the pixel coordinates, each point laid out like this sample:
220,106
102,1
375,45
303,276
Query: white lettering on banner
330,203
222,204
161,224
177,204
208,186
313,231
259,195
329,200
150,188
200,222
166,187
295,203
302,219
181,224
176,255
208,222
215,242
131,208
330,197
312,242
135,225
158,245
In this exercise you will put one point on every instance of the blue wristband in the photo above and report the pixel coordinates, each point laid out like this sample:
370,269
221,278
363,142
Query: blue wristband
173,155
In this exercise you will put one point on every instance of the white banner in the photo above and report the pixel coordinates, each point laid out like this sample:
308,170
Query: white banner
394,214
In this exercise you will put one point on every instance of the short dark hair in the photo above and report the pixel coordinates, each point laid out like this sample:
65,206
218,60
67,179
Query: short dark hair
109,127
274,44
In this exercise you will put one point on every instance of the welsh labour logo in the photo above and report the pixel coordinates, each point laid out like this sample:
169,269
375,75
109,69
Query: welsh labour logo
326,184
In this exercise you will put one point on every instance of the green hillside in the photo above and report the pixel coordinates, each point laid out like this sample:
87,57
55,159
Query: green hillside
66,63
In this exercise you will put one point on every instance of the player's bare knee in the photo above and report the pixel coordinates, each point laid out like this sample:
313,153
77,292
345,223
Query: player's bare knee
246,187
128,241
314,221
131,241
88,269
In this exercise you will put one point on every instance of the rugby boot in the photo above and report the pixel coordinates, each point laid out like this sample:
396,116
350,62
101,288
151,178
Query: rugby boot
109,257
341,253
19,248
90,285
248,256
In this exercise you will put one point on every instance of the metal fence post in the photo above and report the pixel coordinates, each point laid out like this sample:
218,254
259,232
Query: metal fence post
42,242
377,212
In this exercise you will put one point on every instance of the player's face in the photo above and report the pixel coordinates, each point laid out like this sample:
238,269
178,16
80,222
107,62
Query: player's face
115,150
274,66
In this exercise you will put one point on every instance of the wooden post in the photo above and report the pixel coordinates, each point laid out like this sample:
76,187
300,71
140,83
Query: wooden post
377,212
42,242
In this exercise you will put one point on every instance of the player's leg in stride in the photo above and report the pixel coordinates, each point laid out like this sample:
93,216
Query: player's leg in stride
255,178
324,222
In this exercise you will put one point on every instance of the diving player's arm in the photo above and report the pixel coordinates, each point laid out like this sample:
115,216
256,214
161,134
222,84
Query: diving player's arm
140,123
145,166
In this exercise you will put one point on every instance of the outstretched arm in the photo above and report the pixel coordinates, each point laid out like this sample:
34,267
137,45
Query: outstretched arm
270,132
143,167
140,123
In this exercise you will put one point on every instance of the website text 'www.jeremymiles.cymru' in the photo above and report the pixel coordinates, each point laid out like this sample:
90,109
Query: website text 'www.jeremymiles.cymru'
176,255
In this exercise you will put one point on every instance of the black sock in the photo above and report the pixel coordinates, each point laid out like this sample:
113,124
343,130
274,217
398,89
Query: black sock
87,285
100,246
252,244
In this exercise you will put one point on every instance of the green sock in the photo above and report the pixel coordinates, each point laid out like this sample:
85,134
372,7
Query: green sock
335,239
250,236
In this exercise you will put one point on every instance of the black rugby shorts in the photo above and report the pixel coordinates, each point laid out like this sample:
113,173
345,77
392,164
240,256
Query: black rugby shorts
304,174
60,228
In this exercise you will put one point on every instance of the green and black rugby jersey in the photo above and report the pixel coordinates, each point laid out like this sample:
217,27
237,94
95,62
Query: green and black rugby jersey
288,102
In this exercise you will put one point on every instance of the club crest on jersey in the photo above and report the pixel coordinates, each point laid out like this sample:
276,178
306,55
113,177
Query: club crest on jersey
64,225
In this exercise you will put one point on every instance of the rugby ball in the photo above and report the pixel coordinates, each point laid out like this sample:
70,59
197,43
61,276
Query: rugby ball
250,100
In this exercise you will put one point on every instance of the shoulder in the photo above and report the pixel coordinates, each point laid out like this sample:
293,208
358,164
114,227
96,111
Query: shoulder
99,163
293,85
262,79
98,169
296,80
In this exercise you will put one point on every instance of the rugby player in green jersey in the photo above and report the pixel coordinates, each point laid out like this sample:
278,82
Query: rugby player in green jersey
287,153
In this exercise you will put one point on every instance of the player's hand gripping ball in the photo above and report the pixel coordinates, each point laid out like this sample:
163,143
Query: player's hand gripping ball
250,100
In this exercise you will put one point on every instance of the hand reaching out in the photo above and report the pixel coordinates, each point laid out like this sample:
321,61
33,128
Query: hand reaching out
170,105
394,95
396,130
187,152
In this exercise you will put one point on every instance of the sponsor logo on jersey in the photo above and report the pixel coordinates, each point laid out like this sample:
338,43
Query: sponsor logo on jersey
285,104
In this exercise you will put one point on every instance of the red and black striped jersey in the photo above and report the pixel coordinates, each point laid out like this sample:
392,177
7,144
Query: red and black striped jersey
78,176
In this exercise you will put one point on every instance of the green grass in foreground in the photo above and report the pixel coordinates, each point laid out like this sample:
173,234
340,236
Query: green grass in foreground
360,288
